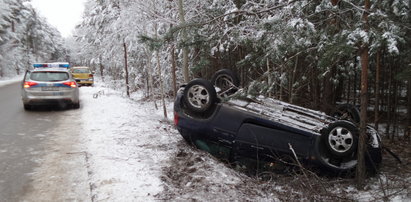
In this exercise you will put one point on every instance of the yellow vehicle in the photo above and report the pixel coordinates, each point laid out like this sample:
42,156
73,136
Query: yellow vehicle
83,76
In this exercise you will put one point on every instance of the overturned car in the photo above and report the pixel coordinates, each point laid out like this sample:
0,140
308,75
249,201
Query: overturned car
206,113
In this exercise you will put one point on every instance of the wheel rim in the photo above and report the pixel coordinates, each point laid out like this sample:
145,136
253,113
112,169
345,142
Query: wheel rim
340,139
198,96
224,82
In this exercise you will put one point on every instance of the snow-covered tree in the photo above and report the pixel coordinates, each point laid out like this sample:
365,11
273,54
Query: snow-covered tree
25,38
305,52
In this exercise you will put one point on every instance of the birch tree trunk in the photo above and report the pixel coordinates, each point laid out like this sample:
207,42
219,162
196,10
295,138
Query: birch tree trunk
173,70
173,67
160,79
161,85
150,77
184,37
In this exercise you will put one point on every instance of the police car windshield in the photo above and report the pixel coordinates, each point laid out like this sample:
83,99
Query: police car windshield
49,76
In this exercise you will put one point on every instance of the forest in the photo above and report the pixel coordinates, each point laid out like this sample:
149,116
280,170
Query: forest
312,53
303,52
26,37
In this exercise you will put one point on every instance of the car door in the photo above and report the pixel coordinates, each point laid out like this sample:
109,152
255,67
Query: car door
270,141
26,75
25,78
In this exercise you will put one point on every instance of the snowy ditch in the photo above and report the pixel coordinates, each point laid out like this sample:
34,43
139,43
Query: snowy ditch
119,149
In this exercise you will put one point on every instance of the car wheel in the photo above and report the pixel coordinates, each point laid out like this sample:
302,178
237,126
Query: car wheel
199,95
76,105
227,81
347,112
27,107
337,147
341,138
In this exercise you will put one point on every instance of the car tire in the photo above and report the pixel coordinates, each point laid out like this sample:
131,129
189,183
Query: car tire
227,81
76,105
347,112
199,95
341,138
27,107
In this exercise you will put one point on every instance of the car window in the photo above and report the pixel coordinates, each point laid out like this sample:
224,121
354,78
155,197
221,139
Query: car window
27,75
81,71
49,76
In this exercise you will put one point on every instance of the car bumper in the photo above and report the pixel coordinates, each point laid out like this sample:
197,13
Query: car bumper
40,98
39,102
85,81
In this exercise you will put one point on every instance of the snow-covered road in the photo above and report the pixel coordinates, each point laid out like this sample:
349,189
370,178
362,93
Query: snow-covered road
112,148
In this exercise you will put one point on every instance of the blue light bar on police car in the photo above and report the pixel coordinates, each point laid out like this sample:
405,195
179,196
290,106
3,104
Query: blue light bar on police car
64,65
40,65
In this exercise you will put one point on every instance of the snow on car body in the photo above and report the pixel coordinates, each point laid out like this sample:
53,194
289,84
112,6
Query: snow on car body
269,129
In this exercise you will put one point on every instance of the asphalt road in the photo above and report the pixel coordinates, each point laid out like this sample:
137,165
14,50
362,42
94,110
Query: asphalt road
22,137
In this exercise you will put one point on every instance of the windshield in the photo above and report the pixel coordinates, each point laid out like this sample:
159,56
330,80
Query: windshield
81,71
49,76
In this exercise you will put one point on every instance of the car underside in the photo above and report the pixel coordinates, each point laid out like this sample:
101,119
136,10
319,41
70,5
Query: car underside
268,129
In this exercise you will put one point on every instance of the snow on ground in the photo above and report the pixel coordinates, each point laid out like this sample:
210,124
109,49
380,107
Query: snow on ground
134,154
111,149
119,149
127,145
7,80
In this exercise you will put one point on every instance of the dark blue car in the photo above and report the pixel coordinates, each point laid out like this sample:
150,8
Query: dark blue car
207,113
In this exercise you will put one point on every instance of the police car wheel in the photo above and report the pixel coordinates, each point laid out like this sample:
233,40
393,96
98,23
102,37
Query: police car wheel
76,105
27,107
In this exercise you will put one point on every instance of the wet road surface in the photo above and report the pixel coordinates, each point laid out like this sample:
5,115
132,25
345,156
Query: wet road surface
22,137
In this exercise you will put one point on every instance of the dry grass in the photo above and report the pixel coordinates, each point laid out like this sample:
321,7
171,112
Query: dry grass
197,176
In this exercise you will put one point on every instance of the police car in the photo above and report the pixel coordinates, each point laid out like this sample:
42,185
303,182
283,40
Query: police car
49,84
